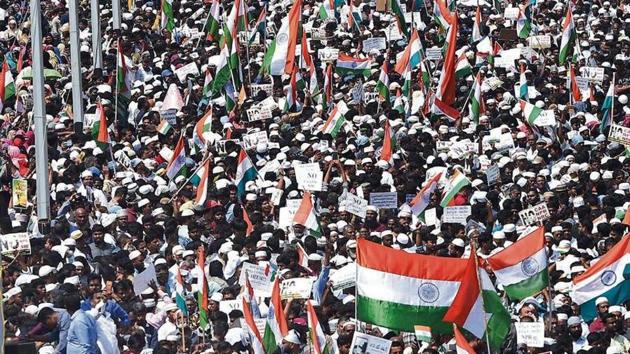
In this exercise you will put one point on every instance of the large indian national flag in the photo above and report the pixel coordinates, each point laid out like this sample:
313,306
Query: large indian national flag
419,288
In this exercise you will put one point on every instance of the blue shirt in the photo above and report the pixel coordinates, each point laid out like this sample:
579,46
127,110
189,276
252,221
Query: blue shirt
111,307
82,334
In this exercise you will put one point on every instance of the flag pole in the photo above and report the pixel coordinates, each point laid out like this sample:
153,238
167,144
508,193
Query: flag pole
205,24
473,253
612,104
191,176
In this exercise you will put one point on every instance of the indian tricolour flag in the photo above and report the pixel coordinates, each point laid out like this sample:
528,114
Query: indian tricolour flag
461,343
202,187
607,107
250,325
400,17
412,56
276,327
166,17
202,129
476,33
382,86
164,127
335,120
213,24
180,298
476,100
207,83
306,216
419,288
442,15
280,56
422,199
423,333
568,37
389,143
178,161
245,172
7,86
463,68
318,338
522,88
291,91
524,22
456,182
327,10
530,111
608,277
347,65
522,267
477,307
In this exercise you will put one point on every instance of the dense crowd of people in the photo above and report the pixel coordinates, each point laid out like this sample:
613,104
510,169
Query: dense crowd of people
193,165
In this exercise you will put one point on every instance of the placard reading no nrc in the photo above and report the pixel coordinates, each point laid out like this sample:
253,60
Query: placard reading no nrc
619,135
16,242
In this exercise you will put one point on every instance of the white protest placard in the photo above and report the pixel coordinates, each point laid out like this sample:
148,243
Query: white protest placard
288,212
15,242
258,113
534,215
170,116
539,42
194,33
296,288
268,88
393,32
492,174
355,205
309,177
344,277
276,196
443,145
221,148
259,278
619,135
511,13
365,343
384,200
370,44
328,54
227,306
456,214
369,96
531,334
592,74
358,93
430,217
506,141
581,82
318,34
271,166
190,68
546,118
491,83
142,281
268,103
434,53
250,141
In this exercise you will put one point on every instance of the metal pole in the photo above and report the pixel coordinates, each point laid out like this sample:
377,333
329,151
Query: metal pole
116,14
39,116
97,49
75,67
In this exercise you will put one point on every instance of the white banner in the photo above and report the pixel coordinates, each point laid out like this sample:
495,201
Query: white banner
296,288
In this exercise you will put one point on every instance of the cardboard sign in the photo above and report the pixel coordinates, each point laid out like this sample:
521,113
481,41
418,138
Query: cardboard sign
142,281
539,42
619,135
220,145
546,118
384,200
227,306
14,243
328,54
531,334
393,32
309,177
268,88
456,214
259,278
430,217
344,277
511,13
355,205
190,68
365,343
258,113
492,175
318,34
250,141
506,141
170,116
296,288
434,54
534,215
581,82
19,187
592,74
374,44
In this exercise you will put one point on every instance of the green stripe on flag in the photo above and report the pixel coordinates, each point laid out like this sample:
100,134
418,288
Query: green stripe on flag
528,287
402,317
